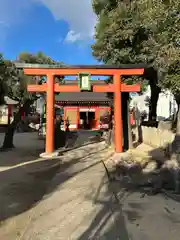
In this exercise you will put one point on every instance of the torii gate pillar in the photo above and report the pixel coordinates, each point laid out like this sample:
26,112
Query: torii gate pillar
117,114
50,114
117,87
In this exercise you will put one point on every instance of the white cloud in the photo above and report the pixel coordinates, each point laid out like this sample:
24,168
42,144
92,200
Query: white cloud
77,13
72,36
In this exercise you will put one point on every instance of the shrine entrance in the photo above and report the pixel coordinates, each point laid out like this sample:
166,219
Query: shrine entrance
84,73
86,119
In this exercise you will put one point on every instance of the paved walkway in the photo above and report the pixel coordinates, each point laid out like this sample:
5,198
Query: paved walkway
78,203
70,198
27,148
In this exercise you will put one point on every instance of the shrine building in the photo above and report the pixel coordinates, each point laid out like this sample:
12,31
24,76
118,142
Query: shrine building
83,110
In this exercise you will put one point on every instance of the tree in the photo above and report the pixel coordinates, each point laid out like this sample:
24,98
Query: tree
2,73
39,58
172,81
137,31
13,83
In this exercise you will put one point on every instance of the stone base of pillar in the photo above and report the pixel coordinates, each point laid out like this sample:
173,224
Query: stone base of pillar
49,155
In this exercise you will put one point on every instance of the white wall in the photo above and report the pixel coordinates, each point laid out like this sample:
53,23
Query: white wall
3,114
166,106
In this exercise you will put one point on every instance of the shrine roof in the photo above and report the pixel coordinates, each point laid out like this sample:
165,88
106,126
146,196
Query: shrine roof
46,66
82,97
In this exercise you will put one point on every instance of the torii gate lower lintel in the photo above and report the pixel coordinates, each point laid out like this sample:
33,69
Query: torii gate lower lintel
50,87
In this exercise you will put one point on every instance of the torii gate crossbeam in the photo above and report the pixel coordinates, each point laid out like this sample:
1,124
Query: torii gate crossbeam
50,87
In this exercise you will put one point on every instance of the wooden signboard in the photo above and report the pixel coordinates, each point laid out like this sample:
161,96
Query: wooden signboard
84,81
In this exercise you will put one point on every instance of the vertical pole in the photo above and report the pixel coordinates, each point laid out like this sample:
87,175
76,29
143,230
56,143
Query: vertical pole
97,122
78,119
129,129
50,114
117,114
10,113
124,100
64,118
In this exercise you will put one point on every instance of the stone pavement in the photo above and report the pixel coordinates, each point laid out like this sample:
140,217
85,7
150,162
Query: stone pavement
64,198
70,198
78,203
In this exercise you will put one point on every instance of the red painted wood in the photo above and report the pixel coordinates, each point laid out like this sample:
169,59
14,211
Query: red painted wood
75,88
71,72
78,118
37,88
116,87
95,125
118,115
130,88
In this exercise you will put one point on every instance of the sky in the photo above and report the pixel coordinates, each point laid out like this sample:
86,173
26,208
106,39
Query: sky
62,29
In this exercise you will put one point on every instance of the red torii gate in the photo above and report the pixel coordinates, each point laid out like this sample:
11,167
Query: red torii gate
100,70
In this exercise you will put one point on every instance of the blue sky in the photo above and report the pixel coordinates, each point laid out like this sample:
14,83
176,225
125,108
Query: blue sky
62,29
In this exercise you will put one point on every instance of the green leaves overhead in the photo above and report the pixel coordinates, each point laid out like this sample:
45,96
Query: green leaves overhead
100,6
140,31
13,82
39,58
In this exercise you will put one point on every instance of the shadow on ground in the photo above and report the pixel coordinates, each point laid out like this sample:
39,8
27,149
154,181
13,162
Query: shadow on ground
158,181
23,186
28,147
146,201
109,222
142,204
27,185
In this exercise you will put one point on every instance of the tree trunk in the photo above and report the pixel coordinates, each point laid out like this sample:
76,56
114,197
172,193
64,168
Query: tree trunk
178,121
125,121
9,135
175,154
129,130
177,98
155,91
152,76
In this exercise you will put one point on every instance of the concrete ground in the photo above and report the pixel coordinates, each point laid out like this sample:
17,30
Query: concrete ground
71,198
149,216
32,190
27,148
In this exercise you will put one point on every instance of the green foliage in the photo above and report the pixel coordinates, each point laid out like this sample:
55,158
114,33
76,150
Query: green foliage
172,78
13,82
140,31
2,72
39,58
100,6
8,78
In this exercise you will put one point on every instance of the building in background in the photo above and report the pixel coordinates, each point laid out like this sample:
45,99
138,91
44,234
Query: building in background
82,110
166,106
7,111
